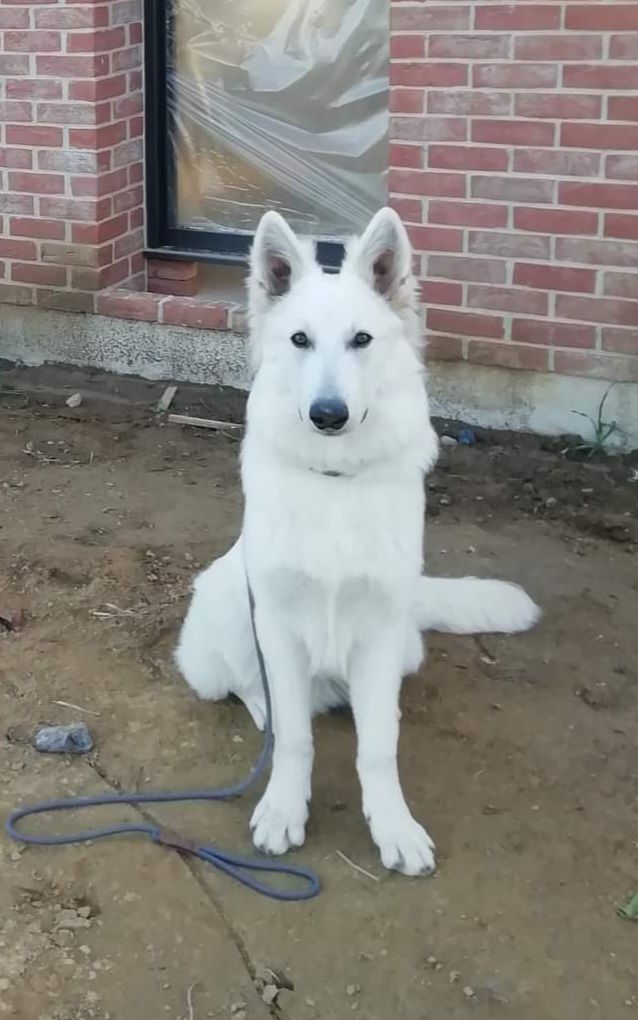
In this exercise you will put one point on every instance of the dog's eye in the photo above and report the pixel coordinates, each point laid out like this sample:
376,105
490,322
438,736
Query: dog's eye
300,340
361,340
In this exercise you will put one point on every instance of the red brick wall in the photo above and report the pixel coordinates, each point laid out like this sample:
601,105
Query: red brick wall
515,162
71,150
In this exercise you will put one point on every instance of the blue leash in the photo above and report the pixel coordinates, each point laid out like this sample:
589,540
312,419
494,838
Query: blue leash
242,869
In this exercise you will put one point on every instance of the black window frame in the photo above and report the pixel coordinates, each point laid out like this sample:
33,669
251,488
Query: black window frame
165,238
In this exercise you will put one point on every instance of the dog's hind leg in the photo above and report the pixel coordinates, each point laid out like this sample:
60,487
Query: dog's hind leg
216,649
468,605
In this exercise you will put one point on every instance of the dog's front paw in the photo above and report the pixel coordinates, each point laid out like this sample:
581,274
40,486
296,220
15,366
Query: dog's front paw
404,844
279,823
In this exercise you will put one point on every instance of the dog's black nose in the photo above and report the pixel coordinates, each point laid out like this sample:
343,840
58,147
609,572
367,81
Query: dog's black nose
329,414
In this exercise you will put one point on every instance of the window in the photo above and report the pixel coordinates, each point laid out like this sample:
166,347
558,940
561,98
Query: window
260,104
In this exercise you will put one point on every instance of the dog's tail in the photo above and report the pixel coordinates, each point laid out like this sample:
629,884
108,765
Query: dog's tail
467,605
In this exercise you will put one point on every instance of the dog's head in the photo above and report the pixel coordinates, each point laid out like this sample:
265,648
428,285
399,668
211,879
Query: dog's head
333,349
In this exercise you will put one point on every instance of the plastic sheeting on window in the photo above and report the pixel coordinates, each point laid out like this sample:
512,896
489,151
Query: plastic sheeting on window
280,104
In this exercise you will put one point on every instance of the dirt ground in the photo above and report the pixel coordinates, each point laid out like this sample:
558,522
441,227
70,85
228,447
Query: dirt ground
519,754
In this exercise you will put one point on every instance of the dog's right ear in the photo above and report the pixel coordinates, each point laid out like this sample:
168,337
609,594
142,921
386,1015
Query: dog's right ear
383,257
277,259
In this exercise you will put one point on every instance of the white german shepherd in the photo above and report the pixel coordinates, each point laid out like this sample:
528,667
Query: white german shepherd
338,439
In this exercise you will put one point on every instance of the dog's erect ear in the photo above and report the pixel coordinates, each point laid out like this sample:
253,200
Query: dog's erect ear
277,259
383,256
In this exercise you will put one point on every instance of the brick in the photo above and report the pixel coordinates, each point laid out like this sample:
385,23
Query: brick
602,17
519,16
14,63
135,81
512,189
506,355
92,91
567,46
435,239
474,269
44,230
470,157
621,225
598,253
622,167
514,76
596,366
75,254
97,233
507,299
557,106
33,88
438,292
21,205
136,173
406,101
600,76
50,276
129,305
103,184
598,195
125,12
443,348
13,112
470,103
130,242
592,309
194,313
64,18
129,152
421,18
403,47
409,209
472,46
556,221
415,182
127,59
620,341
32,42
406,156
529,246
10,248
16,159
15,295
599,136
623,107
65,300
560,164
442,320
136,127
31,134
14,19
96,42
553,334
75,162
427,74
623,47
429,129
65,113
136,32
624,285
542,277
174,288
75,209
36,184
467,214
127,106
98,137
513,132
128,199
164,269
93,66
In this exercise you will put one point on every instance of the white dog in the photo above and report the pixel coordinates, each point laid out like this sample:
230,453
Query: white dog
338,439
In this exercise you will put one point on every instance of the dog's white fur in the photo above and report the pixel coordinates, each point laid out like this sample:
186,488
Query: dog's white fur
332,534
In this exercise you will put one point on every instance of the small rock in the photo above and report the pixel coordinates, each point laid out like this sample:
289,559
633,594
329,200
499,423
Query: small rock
444,501
269,994
73,739
551,501
352,990
468,992
311,1003
467,437
237,739
74,400
449,441
454,976
4,984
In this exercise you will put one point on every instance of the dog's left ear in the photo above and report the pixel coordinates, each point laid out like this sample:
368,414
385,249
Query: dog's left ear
383,257
277,259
